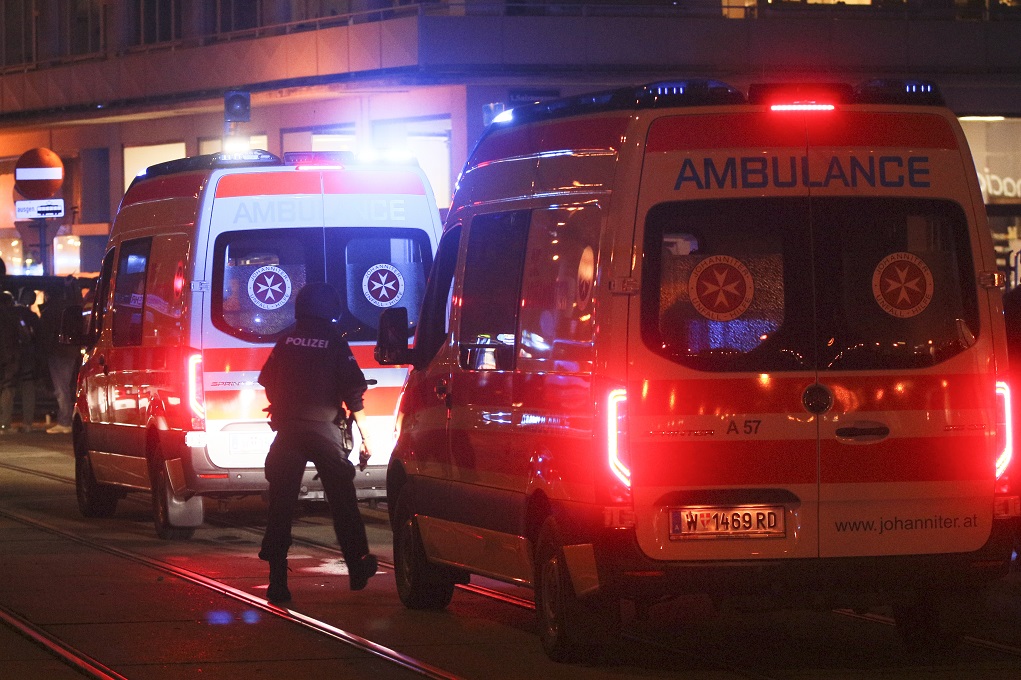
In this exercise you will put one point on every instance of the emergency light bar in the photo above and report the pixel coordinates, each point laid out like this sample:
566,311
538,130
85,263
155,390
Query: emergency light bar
320,158
224,159
693,92
886,91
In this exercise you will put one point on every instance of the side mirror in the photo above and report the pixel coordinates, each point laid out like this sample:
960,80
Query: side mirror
72,326
392,340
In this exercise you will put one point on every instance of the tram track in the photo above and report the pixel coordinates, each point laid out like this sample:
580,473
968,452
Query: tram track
321,627
69,654
420,668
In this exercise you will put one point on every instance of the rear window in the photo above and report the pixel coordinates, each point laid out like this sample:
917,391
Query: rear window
800,284
258,274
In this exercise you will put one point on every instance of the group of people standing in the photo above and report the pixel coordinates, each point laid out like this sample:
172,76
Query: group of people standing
30,351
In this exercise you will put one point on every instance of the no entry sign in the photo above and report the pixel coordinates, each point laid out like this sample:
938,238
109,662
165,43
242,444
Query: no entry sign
38,174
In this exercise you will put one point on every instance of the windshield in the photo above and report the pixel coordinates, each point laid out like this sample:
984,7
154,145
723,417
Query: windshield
258,274
823,283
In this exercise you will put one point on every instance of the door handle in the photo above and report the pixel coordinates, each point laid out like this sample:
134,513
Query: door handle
442,389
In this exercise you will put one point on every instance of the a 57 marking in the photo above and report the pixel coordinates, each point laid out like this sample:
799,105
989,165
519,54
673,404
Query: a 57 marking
747,426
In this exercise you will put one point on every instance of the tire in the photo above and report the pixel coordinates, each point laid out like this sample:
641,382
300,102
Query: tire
163,502
420,585
571,629
94,499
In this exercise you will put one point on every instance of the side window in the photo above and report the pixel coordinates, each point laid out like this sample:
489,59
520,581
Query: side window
556,329
434,322
101,298
165,293
129,291
491,290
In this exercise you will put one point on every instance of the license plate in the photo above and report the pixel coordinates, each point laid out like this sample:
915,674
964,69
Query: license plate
251,442
742,521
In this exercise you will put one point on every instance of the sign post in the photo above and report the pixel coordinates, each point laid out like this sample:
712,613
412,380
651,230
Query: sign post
38,176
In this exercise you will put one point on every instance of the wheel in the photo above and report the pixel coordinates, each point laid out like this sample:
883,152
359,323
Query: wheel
420,585
94,499
168,512
571,629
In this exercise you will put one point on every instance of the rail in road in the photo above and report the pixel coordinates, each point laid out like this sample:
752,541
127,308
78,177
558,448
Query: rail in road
764,647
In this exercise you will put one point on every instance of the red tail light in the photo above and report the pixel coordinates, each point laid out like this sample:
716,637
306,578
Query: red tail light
1004,428
802,106
618,451
196,392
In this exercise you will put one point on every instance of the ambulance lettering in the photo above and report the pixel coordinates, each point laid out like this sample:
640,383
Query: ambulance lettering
274,211
786,172
373,210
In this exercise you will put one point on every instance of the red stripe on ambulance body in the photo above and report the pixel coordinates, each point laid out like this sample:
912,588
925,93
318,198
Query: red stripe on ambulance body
773,394
824,129
368,182
268,184
593,133
162,188
226,359
719,395
909,459
738,463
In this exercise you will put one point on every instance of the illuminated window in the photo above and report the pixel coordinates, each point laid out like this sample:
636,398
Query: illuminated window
138,158
210,145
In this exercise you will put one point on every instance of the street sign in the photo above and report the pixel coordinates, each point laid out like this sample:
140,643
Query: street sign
30,210
38,174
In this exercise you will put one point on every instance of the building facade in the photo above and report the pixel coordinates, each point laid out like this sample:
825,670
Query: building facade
113,87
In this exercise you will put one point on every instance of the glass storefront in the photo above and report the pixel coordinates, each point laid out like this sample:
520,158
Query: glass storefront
995,144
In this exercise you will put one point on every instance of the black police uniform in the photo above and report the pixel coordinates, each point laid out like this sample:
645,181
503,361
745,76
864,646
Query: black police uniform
310,371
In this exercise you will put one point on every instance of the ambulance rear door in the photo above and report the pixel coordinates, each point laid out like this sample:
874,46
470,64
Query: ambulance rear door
907,451
369,233
722,393
265,242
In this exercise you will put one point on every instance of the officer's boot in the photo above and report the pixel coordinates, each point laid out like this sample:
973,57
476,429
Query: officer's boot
360,571
277,591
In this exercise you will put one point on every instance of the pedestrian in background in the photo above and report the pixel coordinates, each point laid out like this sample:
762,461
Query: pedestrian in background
310,377
20,354
27,356
62,361
9,329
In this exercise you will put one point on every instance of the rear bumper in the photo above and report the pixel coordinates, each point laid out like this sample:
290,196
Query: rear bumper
206,479
370,483
626,571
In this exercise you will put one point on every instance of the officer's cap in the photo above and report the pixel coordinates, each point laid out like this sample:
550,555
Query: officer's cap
319,300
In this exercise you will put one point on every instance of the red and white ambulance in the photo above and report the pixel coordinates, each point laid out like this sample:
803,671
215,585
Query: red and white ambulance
681,338
205,259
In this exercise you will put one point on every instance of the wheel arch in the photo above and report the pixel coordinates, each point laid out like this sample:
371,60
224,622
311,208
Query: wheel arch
396,481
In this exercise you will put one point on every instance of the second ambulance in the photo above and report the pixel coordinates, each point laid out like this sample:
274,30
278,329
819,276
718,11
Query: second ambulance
206,257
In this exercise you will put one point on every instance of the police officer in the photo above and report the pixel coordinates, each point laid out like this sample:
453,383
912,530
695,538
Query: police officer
309,373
